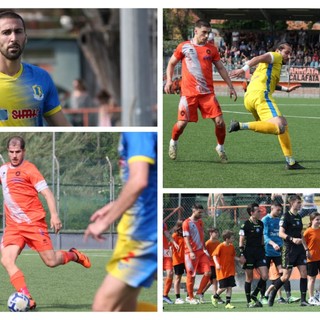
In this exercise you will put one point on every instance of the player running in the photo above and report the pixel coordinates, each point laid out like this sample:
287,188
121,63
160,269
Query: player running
197,56
259,100
25,217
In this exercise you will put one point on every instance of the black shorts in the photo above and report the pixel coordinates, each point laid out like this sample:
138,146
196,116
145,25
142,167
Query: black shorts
179,269
275,260
213,273
313,268
293,255
255,258
227,282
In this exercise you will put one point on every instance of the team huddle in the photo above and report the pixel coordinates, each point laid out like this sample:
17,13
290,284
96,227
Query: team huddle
272,246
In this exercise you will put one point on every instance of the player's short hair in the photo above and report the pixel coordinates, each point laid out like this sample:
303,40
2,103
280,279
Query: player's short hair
16,140
294,198
250,208
202,23
12,15
197,206
276,203
227,234
281,45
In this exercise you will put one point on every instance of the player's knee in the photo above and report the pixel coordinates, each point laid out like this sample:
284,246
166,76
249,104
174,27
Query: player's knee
282,129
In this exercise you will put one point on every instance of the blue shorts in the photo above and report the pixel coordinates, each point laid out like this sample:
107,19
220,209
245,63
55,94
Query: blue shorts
134,262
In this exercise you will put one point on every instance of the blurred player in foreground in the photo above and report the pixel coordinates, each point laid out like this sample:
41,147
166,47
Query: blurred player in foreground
197,56
259,101
27,92
25,217
134,261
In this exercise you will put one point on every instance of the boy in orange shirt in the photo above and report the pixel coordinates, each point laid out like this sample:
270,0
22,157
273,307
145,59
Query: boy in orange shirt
224,257
312,238
210,245
178,260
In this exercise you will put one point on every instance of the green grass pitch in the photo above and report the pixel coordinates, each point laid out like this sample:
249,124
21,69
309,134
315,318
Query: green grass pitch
238,300
255,159
67,288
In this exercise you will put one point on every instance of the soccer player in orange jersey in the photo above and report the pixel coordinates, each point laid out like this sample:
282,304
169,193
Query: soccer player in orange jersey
25,217
196,257
197,91
224,257
312,238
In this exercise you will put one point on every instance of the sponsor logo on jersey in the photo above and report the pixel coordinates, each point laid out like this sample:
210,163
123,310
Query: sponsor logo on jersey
25,114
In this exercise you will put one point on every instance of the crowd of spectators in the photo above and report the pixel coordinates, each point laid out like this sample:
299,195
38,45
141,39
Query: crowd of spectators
237,47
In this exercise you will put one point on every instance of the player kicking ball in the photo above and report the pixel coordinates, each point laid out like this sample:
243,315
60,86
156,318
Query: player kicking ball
25,217
259,101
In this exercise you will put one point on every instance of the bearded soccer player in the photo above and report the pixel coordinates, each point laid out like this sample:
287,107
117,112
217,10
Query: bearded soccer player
259,101
197,92
25,217
196,256
134,261
28,94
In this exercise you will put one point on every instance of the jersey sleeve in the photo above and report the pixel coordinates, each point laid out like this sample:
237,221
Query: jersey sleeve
277,57
178,52
36,178
52,103
141,146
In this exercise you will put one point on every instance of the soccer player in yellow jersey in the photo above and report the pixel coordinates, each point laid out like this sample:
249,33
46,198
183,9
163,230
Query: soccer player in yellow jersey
259,101
28,94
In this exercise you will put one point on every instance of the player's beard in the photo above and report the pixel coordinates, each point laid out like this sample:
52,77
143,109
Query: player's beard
15,54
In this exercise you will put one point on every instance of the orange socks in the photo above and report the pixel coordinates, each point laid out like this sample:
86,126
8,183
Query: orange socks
176,132
167,286
19,283
203,284
67,256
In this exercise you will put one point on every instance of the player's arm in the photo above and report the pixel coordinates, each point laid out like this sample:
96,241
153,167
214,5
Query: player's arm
241,246
170,239
188,244
288,89
170,69
137,182
284,236
264,58
216,262
224,75
55,221
58,119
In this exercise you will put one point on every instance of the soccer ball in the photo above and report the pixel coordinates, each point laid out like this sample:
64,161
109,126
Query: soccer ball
18,302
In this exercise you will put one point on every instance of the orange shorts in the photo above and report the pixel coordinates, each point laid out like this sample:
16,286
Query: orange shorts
167,263
207,103
200,264
36,236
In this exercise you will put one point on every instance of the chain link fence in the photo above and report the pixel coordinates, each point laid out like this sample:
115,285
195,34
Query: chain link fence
223,211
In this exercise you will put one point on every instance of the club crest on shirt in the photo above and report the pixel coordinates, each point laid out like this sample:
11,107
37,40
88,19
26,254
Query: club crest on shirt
37,92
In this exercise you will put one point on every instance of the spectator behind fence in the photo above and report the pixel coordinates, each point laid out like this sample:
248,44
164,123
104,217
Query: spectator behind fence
79,99
107,109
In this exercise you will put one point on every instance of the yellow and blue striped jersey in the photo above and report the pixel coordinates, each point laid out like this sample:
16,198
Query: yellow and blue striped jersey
27,97
140,222
267,75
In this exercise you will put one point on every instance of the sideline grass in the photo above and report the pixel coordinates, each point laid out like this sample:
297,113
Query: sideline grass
255,160
238,300
65,288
